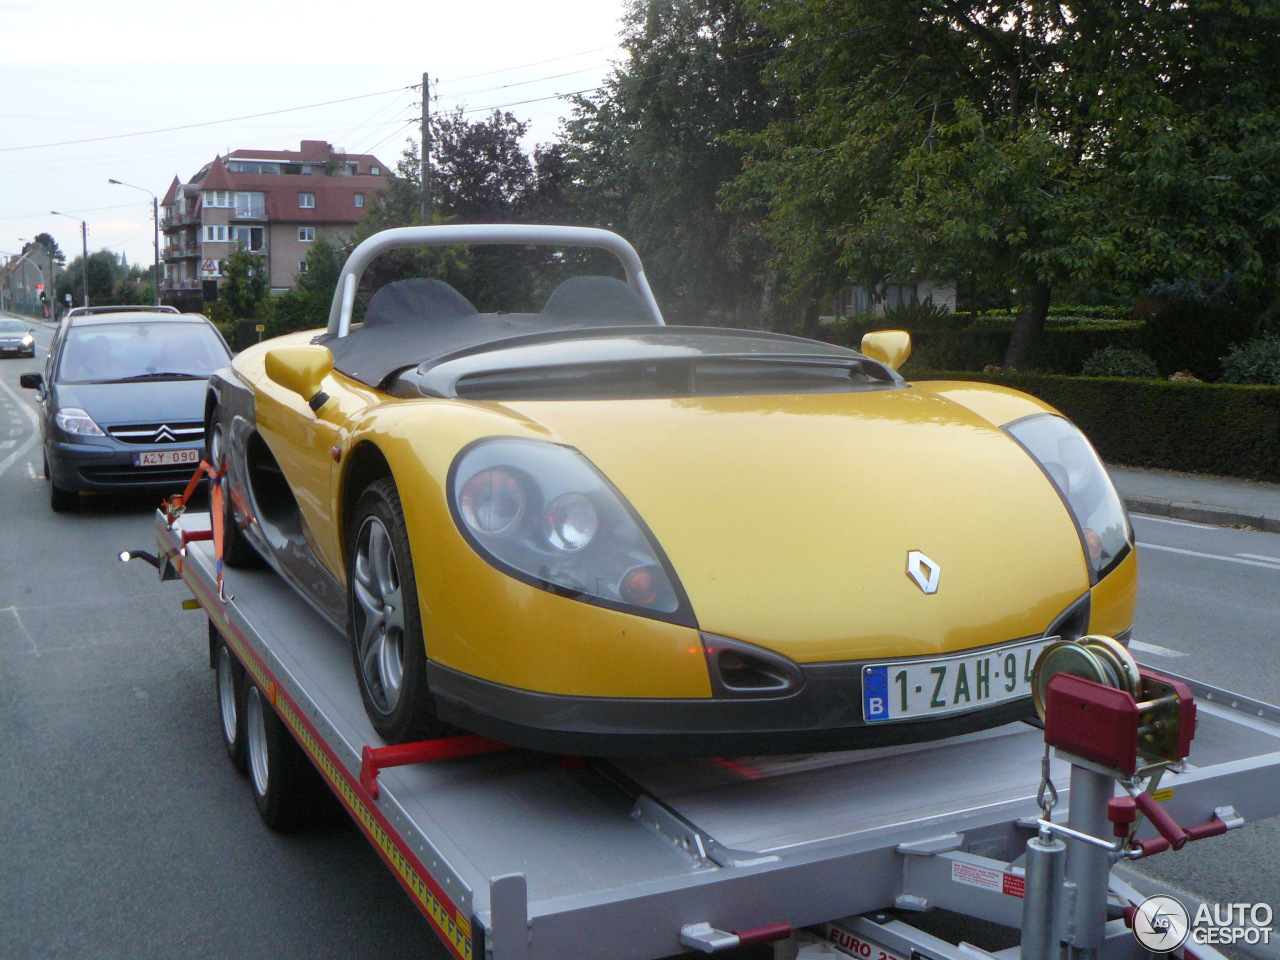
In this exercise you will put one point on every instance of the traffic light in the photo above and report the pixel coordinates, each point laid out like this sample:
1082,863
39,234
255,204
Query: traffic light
44,297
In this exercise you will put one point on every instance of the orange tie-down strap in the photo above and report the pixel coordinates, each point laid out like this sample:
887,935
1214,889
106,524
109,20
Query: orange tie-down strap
175,506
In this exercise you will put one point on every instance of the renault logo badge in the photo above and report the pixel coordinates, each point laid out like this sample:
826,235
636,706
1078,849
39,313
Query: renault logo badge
923,571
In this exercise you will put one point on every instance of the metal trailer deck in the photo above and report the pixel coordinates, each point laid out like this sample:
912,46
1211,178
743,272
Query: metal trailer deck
517,855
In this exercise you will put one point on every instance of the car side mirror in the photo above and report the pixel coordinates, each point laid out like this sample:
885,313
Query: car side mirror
890,347
302,368
31,381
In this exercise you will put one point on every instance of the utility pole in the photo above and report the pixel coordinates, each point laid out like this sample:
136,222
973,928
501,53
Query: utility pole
425,174
84,243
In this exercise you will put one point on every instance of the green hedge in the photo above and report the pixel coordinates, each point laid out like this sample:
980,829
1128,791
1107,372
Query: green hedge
964,345
1213,428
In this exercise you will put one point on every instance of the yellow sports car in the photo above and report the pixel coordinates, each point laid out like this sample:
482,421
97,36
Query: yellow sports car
580,530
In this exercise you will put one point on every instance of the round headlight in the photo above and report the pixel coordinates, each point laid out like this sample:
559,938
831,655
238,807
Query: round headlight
492,502
570,522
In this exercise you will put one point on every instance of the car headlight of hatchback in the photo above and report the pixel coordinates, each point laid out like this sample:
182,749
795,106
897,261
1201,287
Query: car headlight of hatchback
28,341
1071,463
543,513
77,422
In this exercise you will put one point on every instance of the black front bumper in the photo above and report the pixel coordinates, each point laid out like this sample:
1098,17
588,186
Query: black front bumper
824,714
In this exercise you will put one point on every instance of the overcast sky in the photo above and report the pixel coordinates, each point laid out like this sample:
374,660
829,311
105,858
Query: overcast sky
87,81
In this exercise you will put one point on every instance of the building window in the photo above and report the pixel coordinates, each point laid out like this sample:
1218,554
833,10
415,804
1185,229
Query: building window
306,233
359,199
215,233
217,198
251,206
375,171
307,201
302,266
249,238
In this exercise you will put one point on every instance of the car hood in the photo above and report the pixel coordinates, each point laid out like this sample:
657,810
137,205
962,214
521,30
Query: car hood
789,520
155,401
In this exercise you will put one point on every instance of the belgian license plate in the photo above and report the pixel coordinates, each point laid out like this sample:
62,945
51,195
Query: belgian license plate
909,689
165,458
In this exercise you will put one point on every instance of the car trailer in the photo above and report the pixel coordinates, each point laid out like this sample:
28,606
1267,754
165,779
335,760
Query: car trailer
515,855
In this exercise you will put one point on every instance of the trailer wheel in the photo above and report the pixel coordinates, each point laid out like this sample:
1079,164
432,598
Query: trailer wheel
229,685
237,551
383,619
286,788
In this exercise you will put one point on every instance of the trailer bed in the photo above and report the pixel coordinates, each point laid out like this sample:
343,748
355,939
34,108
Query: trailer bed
517,854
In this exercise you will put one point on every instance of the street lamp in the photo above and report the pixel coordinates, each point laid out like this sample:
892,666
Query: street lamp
84,244
155,219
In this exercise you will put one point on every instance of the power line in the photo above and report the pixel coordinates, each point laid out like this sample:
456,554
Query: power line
523,66
208,123
45,213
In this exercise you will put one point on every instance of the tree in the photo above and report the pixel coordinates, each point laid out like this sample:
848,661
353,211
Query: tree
651,149
1032,143
104,272
244,285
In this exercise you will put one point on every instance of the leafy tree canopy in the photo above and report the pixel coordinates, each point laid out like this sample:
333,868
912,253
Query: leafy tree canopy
1033,143
650,150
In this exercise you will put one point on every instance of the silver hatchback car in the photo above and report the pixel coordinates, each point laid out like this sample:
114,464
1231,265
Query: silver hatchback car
122,402
16,339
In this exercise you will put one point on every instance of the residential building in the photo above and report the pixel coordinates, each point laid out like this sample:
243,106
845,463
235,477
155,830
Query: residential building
855,300
274,203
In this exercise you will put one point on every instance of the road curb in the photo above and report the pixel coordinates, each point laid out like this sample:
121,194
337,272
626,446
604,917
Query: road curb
1194,512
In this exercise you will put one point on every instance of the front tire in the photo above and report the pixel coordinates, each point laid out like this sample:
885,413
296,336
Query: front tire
63,501
383,620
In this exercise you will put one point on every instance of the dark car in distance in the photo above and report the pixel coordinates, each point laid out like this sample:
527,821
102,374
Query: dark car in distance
122,401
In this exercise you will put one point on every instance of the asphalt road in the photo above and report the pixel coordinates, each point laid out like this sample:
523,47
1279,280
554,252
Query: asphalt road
125,833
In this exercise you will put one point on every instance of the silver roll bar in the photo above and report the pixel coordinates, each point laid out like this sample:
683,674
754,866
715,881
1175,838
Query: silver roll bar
483,233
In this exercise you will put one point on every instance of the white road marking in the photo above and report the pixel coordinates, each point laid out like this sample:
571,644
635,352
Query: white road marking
1210,556
1258,556
31,471
32,438
1154,648
1176,523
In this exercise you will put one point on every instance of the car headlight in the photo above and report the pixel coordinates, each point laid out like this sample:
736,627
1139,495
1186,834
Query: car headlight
543,513
76,421
28,341
1072,464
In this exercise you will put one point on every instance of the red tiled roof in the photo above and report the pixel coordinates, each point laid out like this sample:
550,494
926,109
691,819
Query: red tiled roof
334,195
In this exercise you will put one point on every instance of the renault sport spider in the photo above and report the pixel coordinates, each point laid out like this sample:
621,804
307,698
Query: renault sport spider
581,530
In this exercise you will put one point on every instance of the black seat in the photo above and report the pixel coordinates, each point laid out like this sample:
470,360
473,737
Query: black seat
595,300
407,301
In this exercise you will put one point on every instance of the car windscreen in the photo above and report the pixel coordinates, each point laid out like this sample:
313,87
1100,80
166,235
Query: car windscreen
12,326
165,350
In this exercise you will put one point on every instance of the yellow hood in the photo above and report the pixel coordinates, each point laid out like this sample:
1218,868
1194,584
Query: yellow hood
789,519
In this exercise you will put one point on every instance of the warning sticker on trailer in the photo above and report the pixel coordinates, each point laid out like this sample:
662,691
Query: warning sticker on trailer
972,875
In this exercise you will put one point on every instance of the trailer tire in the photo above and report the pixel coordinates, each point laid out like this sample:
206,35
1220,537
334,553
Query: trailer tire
383,620
229,687
286,788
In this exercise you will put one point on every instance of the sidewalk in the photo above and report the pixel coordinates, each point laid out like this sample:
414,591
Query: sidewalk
1222,501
